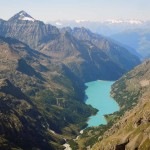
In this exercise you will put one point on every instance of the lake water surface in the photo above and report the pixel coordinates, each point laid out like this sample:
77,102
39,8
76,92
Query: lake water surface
98,95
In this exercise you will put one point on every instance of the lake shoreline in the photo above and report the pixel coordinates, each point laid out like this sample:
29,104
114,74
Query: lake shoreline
101,89
101,84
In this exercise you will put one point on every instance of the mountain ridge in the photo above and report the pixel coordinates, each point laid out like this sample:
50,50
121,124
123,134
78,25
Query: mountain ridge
107,27
22,15
75,51
137,38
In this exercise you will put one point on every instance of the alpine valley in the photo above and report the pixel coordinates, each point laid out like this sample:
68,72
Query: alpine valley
42,74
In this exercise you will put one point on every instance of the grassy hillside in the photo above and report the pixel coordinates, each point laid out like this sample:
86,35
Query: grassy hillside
40,104
131,131
129,92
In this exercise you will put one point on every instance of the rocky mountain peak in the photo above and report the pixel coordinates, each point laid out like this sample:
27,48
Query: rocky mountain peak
22,15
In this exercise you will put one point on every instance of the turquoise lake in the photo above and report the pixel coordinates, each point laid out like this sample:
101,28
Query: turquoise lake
98,95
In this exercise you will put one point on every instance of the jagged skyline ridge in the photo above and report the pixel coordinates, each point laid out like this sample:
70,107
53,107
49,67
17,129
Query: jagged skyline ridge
70,9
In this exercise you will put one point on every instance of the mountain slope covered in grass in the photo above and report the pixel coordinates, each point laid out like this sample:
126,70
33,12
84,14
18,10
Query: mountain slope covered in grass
40,104
132,130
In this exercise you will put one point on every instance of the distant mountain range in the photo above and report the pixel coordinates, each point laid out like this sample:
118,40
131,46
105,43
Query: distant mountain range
76,48
132,34
138,39
106,27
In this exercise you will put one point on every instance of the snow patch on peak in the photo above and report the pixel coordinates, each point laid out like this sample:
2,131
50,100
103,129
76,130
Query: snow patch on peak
58,23
114,21
29,19
135,21
120,21
79,21
24,16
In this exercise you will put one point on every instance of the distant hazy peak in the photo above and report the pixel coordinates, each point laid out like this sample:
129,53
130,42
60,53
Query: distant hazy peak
22,15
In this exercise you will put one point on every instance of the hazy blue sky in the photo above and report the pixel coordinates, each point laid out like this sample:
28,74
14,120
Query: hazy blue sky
77,9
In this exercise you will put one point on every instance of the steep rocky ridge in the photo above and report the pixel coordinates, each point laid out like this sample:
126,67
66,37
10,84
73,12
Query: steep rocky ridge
32,33
78,55
76,48
116,53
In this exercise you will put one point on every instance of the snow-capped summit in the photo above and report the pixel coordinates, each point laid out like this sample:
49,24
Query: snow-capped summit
80,21
22,15
25,16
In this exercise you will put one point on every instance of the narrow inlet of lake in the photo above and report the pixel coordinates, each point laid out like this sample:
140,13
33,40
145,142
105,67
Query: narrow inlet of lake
98,96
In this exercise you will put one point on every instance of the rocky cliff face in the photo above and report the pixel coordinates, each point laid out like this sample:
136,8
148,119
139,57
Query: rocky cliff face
81,57
132,131
34,33
115,52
